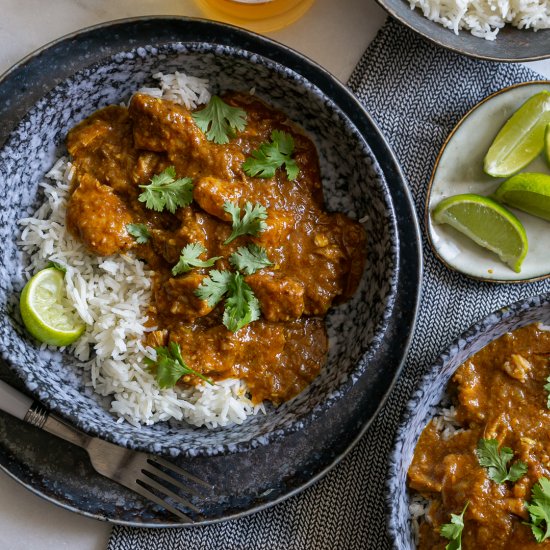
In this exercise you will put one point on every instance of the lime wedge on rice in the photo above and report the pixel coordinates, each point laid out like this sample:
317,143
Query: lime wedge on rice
528,192
487,223
46,310
521,139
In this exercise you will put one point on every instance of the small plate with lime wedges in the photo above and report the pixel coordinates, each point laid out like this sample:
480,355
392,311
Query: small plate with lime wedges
488,201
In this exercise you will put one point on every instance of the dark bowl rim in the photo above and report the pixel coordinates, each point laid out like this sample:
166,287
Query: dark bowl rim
365,126
396,15
477,328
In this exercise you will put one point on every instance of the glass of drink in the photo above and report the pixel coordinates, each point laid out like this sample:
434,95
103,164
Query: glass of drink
256,15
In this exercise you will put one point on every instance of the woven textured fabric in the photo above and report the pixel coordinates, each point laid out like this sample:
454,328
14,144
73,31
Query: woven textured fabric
416,92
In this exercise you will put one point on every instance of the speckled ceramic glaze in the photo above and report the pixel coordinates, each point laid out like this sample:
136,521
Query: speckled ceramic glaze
424,402
261,475
354,183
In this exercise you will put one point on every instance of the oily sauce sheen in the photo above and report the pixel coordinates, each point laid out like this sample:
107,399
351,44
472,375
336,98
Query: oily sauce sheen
500,395
318,257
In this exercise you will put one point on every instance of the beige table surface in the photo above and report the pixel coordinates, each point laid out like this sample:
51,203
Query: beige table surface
334,33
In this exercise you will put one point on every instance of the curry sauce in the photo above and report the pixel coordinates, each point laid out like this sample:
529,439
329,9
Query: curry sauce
317,257
499,394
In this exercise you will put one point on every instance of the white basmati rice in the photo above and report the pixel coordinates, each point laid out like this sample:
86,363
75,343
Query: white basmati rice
484,18
111,296
418,513
180,88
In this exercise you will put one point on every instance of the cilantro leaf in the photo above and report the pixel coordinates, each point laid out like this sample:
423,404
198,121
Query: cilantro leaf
273,155
219,121
189,258
539,510
496,461
249,259
250,224
57,266
241,306
547,388
170,367
165,191
139,231
214,286
453,531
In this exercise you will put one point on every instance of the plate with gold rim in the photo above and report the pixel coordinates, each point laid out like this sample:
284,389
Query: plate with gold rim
459,169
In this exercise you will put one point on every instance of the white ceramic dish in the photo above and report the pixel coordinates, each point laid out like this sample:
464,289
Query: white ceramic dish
459,169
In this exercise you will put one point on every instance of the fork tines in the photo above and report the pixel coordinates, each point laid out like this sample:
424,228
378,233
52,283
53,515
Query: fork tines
156,470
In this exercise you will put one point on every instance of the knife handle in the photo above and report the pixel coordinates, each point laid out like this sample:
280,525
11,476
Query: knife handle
19,405
14,402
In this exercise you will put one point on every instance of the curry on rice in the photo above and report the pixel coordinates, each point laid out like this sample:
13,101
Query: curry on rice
500,395
316,258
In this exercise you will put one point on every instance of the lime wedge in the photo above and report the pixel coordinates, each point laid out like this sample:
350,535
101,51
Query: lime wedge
547,144
486,223
46,311
521,139
528,192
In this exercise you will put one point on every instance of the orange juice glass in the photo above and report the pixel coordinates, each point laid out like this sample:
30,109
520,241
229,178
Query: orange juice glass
256,15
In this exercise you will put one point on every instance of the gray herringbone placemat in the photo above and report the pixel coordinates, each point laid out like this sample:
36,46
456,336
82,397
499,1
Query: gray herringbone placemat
416,93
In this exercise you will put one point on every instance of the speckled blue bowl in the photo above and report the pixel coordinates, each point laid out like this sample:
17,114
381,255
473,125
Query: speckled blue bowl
354,181
424,402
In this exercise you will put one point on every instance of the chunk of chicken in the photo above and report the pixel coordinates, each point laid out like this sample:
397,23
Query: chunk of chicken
164,126
281,298
161,125
99,218
102,146
517,367
211,194
177,295
193,229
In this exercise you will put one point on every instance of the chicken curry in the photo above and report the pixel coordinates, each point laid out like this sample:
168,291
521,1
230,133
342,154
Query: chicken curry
314,259
502,399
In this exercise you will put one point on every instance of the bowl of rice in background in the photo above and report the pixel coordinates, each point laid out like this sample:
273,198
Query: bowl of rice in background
496,30
94,384
430,400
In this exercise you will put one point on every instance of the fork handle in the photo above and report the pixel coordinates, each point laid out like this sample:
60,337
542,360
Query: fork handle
19,405
14,402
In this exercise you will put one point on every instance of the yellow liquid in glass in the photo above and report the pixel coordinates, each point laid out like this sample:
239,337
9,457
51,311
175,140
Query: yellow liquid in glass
262,16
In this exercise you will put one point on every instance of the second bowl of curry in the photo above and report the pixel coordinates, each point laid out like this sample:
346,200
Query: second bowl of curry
474,440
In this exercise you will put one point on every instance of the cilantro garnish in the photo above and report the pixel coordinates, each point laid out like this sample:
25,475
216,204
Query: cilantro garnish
165,191
189,258
170,366
273,155
219,121
547,388
241,306
496,461
539,510
453,531
57,266
250,224
214,286
139,231
249,259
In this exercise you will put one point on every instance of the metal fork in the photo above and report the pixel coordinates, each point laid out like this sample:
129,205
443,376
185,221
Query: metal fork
139,472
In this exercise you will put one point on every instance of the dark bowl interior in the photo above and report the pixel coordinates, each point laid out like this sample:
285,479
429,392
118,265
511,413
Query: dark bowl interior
512,44
429,393
357,186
